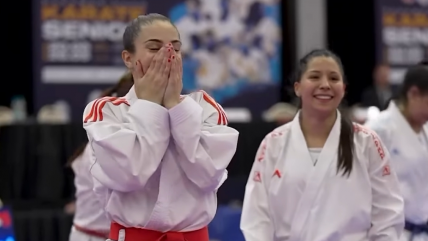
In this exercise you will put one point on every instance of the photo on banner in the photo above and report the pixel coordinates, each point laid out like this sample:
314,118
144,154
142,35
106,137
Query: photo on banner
401,35
231,48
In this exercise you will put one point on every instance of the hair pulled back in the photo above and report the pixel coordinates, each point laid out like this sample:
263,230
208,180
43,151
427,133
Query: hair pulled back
133,29
416,76
117,90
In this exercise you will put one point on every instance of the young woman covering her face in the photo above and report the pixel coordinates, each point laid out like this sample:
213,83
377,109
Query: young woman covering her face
159,157
321,177
403,128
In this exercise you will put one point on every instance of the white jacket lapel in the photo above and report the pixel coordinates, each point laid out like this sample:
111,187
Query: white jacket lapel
407,134
316,175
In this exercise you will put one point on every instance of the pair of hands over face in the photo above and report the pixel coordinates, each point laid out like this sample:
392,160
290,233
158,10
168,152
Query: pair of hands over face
162,83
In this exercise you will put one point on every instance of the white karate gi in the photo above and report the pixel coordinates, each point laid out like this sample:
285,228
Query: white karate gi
409,158
89,212
288,198
155,168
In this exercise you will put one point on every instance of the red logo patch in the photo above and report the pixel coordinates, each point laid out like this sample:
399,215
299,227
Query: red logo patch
257,176
277,173
386,170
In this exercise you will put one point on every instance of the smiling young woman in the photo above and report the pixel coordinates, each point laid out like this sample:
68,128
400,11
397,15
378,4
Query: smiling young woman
321,177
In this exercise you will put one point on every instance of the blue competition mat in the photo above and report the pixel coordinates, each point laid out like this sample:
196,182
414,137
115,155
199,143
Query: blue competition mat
225,225
6,225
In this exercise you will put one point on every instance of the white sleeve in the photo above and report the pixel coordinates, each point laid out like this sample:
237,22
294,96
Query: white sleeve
126,153
381,130
81,166
256,224
399,166
387,203
207,144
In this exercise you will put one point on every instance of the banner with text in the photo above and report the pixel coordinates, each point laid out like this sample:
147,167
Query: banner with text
401,34
231,49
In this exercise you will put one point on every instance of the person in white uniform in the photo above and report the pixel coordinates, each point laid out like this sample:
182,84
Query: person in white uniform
403,128
90,222
321,177
158,157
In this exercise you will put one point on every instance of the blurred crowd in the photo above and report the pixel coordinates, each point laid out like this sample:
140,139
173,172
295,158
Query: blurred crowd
229,45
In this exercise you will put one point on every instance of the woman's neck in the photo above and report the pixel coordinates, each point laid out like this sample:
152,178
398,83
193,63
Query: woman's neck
317,126
415,125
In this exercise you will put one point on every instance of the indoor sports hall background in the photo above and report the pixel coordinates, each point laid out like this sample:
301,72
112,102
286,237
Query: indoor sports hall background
60,54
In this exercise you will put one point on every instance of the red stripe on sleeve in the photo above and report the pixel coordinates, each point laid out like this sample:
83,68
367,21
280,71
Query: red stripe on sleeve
221,115
96,113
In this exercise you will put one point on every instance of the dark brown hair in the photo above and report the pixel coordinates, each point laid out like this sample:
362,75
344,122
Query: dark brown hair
120,89
133,30
346,139
416,76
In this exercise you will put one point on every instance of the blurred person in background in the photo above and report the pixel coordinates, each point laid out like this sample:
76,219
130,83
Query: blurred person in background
381,91
321,177
191,23
216,33
403,128
212,68
90,221
159,157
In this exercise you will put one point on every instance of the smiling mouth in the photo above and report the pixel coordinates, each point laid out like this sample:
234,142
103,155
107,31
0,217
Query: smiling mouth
323,97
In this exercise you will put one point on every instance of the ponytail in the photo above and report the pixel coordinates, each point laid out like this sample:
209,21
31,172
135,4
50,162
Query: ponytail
79,151
109,92
120,89
346,146
345,155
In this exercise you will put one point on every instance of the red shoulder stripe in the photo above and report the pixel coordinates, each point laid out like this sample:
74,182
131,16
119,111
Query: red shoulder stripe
96,113
116,102
88,116
375,138
221,115
225,120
